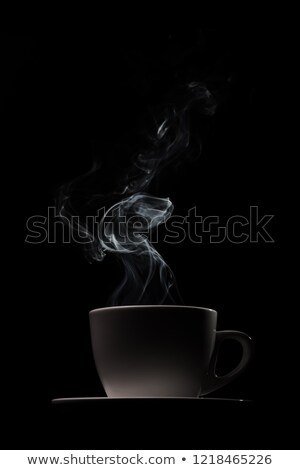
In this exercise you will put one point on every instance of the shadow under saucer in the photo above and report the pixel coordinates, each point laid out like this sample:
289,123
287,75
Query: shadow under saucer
157,423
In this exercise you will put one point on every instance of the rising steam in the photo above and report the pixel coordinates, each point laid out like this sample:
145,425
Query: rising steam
125,228
147,277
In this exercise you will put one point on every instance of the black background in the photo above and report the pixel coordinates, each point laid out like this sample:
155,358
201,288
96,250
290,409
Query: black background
66,95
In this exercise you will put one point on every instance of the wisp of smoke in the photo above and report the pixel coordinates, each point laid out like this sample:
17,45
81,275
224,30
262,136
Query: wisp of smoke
124,231
125,228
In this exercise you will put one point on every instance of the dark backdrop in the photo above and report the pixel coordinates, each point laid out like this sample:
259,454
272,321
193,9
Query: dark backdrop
69,97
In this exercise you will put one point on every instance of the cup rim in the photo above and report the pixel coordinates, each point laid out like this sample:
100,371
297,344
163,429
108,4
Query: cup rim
119,307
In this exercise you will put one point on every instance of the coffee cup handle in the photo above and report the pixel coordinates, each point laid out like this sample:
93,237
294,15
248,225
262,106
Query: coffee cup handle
212,381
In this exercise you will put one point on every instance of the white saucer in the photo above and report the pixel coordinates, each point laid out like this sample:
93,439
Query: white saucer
96,399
